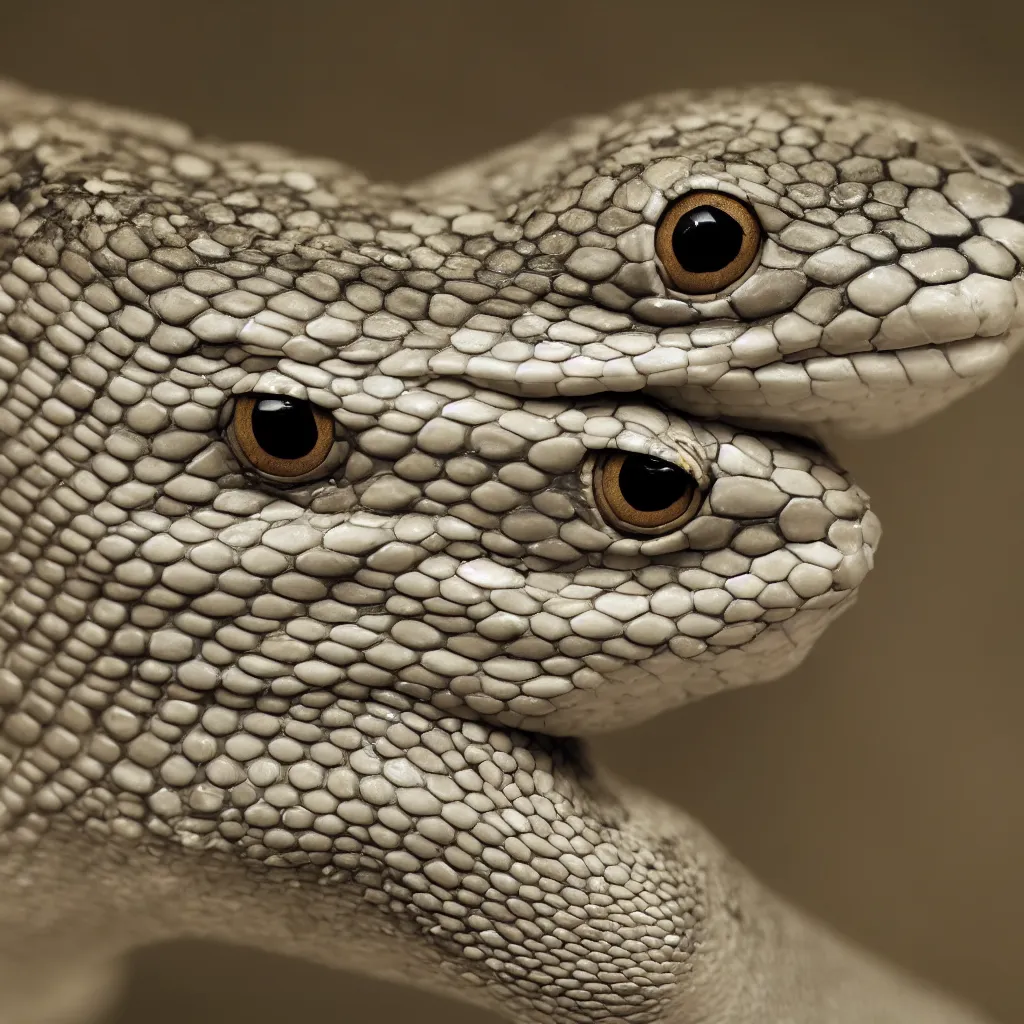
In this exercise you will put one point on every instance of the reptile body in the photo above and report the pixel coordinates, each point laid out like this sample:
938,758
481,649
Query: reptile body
332,510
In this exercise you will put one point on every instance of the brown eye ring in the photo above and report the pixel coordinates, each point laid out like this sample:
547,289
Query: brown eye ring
707,240
282,436
642,495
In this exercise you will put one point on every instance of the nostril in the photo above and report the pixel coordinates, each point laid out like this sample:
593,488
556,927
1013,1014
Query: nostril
1016,211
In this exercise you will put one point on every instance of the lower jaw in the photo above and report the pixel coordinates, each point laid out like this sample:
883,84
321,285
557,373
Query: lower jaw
860,394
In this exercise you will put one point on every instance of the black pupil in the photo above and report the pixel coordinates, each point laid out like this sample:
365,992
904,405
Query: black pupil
706,239
284,427
650,484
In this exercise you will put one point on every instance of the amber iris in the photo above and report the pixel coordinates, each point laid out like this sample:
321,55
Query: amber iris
282,436
640,494
706,241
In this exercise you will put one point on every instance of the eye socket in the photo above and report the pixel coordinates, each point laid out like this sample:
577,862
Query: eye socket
640,494
706,241
282,436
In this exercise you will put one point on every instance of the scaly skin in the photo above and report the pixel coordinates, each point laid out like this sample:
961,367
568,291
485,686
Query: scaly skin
323,714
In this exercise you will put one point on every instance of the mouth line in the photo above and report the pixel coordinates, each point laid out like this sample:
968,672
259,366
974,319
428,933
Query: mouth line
1010,338
962,364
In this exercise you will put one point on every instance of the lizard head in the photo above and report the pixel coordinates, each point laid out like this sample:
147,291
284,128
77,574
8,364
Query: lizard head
782,256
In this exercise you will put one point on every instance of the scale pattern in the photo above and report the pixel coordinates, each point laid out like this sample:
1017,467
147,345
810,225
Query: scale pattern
358,677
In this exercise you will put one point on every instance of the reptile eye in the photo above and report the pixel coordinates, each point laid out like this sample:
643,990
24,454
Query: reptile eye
639,494
706,241
282,436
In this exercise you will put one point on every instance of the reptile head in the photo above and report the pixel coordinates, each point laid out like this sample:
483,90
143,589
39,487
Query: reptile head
776,255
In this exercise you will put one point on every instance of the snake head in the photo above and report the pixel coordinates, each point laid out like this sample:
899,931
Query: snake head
779,255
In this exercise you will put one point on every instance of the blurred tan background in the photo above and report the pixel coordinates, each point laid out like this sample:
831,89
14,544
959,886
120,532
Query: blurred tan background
879,786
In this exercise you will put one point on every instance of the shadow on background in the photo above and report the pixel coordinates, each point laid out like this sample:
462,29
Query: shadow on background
879,785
